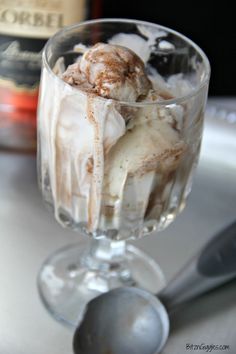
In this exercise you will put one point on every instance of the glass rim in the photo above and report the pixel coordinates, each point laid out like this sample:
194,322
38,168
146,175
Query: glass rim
164,102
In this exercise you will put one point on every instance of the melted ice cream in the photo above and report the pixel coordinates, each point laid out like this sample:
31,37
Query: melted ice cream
94,150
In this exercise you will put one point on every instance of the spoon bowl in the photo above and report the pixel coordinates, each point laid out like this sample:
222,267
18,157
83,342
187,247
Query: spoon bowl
114,321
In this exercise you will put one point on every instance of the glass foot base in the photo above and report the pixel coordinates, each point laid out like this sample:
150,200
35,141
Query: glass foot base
66,284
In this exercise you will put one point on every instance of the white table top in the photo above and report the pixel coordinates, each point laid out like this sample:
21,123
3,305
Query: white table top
28,234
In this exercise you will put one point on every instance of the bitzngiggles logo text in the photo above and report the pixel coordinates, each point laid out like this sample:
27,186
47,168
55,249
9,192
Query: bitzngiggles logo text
208,348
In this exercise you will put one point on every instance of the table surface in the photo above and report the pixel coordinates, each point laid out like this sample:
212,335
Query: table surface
28,234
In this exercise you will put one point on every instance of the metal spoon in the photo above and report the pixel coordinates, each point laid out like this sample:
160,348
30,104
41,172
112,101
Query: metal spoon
133,321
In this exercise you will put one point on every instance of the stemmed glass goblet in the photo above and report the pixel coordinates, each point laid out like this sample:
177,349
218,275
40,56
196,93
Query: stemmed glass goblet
114,169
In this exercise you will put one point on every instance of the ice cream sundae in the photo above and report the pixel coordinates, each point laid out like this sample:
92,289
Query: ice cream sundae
110,153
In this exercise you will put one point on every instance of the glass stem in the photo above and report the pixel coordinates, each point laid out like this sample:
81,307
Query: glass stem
105,255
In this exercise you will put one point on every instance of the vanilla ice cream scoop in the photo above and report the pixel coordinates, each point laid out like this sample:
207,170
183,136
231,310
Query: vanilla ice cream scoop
106,158
110,71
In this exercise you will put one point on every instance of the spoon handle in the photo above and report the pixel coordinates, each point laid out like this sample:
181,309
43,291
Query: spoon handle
212,266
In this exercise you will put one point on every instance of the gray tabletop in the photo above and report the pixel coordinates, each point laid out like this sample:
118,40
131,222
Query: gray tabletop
28,234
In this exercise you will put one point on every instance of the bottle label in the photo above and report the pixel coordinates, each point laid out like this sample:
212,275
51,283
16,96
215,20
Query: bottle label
25,26
19,68
39,18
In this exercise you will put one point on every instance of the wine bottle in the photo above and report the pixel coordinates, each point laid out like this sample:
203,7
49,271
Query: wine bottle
25,26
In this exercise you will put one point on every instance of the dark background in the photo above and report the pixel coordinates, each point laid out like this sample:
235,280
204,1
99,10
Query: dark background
212,28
